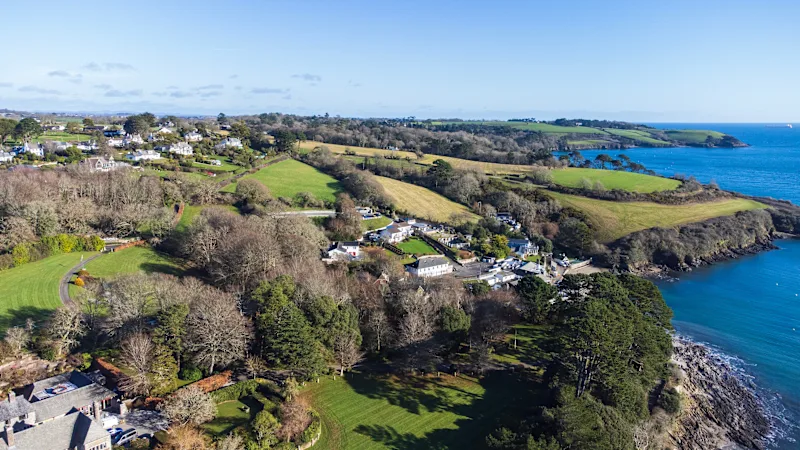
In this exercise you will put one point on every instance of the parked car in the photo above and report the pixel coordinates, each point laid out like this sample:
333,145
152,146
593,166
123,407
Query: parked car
125,437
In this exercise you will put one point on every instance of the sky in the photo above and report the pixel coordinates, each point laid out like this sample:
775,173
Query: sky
647,61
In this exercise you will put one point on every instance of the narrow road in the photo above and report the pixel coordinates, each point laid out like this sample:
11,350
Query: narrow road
63,287
310,213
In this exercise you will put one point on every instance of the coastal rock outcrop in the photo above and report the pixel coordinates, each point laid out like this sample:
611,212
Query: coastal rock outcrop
719,410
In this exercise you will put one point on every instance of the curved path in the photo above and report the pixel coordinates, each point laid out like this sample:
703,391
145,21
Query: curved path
63,287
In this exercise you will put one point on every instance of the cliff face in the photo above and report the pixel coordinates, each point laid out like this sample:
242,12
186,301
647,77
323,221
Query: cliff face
718,410
695,244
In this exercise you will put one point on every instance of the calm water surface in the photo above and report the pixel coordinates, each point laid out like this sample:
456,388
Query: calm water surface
749,309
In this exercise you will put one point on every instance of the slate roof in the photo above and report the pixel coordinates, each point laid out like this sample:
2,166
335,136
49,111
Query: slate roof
12,409
67,432
424,263
85,393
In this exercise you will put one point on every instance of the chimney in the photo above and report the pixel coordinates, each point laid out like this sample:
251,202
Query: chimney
97,411
11,396
10,436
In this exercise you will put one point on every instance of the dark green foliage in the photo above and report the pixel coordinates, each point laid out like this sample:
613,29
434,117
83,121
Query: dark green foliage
455,320
312,431
27,128
670,401
575,235
190,374
235,391
138,124
288,340
477,287
535,295
588,424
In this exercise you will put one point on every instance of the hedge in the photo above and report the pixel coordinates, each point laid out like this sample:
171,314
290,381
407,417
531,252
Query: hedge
213,382
26,252
235,391
312,431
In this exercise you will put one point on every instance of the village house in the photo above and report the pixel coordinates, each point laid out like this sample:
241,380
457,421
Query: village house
6,157
396,232
34,149
59,395
163,130
143,155
132,139
523,247
86,146
95,128
430,266
54,127
114,133
181,148
193,136
345,251
229,142
115,142
72,431
100,164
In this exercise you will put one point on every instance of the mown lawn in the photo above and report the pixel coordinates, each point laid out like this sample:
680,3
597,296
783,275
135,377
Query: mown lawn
31,290
614,179
638,135
424,203
416,246
613,220
230,415
374,224
363,411
132,260
290,177
62,136
226,166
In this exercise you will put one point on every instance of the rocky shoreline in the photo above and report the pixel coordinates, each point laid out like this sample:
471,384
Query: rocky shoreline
719,410
662,272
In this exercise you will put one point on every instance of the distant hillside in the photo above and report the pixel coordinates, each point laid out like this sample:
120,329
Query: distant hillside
575,134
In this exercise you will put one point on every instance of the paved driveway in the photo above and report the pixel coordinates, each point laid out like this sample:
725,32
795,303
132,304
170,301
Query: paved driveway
145,421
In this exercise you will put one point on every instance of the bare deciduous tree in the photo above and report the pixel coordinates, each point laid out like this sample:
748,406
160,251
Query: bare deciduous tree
231,442
254,366
347,352
17,338
217,333
189,405
187,438
137,353
295,418
66,327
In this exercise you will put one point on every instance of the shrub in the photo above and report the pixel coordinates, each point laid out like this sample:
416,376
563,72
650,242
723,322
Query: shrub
83,273
190,374
97,244
79,282
670,401
21,254
312,431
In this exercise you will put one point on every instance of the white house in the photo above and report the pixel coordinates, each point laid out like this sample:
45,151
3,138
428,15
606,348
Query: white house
102,164
35,149
430,266
345,251
116,142
229,142
396,232
523,247
163,130
6,157
181,148
132,139
193,136
143,155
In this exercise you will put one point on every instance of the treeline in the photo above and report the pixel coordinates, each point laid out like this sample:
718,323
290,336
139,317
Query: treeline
610,349
35,204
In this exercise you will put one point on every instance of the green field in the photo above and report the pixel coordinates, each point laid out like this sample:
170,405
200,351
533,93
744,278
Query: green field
592,142
424,203
190,212
693,136
416,246
636,134
132,260
614,179
230,415
31,290
374,224
62,136
364,412
613,220
290,177
543,127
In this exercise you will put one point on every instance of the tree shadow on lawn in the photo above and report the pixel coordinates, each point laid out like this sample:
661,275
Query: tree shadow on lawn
222,425
535,346
507,397
18,316
161,268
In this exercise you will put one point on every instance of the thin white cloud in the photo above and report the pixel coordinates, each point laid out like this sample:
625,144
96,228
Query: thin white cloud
105,87
210,87
310,77
180,94
108,67
129,93
38,90
268,91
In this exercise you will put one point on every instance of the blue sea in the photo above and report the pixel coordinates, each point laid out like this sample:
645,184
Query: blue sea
749,308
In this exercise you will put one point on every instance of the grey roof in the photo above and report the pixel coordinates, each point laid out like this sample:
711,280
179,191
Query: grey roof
433,261
16,408
66,432
518,242
85,394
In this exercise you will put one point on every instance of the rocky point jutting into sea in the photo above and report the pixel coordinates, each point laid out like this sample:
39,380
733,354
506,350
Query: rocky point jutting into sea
719,409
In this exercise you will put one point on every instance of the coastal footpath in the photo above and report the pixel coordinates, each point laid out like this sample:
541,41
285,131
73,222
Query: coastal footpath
719,410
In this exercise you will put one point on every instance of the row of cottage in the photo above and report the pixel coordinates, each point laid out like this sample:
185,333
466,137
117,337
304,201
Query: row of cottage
65,412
